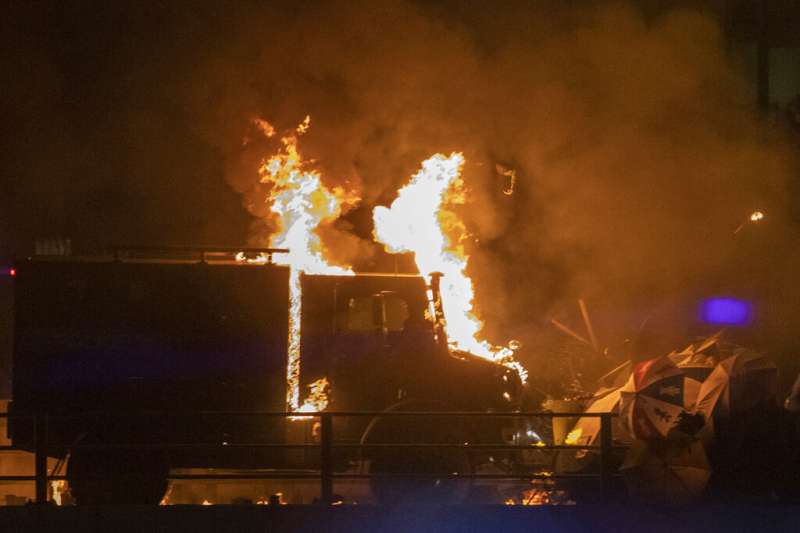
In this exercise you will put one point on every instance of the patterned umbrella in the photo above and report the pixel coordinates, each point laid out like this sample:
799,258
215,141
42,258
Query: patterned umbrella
696,368
653,404
739,382
652,395
696,361
662,472
710,346
587,429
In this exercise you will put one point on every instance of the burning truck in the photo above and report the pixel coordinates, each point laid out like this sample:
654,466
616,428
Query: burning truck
186,337
146,347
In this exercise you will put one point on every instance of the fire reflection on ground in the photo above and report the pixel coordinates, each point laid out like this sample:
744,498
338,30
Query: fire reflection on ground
348,491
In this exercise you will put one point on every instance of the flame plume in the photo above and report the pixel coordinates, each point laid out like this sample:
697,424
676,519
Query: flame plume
301,203
420,220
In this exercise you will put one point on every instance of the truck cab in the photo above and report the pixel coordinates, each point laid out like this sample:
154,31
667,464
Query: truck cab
142,350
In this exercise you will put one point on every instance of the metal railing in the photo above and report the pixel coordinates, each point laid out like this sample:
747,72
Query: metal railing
136,253
326,445
201,253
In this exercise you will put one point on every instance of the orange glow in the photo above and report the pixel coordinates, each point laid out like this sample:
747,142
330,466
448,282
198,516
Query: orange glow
317,399
264,126
573,437
536,497
543,492
421,220
300,203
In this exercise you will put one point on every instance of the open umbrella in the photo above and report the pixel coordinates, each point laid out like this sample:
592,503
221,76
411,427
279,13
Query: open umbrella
654,402
587,429
739,382
710,346
666,471
652,395
696,368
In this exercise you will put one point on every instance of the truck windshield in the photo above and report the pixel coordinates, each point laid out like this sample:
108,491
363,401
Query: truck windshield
372,313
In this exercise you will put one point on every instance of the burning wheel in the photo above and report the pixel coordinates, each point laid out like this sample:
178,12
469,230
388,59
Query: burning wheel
100,477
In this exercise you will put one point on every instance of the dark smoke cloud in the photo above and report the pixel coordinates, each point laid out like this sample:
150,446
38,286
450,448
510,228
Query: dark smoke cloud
634,138
96,137
633,135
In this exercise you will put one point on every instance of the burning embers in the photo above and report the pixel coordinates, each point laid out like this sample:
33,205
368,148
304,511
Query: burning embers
421,220
317,399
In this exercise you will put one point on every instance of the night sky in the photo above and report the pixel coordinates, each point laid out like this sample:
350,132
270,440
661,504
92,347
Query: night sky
102,147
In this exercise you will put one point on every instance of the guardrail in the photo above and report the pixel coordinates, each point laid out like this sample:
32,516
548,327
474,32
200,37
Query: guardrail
326,446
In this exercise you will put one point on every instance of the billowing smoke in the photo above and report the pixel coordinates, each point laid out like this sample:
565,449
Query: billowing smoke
635,143
634,140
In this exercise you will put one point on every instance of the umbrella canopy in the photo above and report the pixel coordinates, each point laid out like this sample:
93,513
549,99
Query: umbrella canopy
739,382
651,371
653,403
587,429
696,368
710,346
666,472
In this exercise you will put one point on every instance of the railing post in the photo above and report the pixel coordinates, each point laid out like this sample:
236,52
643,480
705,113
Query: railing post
606,445
326,458
40,456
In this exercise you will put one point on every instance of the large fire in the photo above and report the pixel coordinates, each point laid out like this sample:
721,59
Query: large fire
421,220
301,203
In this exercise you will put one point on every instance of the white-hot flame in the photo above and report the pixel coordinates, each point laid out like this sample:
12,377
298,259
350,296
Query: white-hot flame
301,203
421,220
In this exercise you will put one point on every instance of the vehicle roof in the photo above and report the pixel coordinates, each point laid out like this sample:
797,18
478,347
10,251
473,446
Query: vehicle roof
211,259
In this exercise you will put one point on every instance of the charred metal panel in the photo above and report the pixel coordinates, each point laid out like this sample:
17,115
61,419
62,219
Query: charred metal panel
123,336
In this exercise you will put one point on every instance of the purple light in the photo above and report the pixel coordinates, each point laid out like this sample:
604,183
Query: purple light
726,311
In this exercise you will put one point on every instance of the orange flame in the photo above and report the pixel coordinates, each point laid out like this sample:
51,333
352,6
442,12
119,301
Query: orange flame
317,399
301,203
420,220
573,437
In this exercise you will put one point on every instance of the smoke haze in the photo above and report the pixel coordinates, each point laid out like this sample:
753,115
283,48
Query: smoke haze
634,139
633,136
